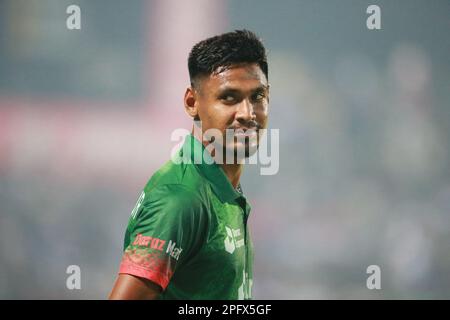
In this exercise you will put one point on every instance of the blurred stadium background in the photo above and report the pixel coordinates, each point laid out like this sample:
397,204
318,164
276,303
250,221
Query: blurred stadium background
86,117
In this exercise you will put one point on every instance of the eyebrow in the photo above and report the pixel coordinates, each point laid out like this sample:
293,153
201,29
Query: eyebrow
237,90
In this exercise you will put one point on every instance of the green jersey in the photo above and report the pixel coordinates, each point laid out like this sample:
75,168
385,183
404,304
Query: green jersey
188,232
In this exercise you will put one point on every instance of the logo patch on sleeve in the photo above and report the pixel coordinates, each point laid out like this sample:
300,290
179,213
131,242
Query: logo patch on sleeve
173,251
158,244
147,241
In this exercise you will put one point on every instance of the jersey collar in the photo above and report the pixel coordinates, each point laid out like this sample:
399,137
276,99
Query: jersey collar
214,173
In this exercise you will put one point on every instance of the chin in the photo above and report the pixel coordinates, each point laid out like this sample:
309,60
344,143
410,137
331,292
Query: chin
242,151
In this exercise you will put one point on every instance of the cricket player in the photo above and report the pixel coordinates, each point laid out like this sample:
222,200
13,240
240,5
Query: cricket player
187,237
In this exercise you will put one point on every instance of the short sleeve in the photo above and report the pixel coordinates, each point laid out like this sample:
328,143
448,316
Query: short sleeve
169,229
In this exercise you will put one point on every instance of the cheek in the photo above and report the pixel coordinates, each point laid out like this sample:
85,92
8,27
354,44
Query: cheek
222,115
262,116
205,113
213,116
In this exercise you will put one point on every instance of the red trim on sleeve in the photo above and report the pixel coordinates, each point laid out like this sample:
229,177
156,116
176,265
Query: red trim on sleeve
129,267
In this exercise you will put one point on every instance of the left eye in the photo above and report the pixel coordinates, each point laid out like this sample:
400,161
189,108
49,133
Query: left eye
228,98
258,96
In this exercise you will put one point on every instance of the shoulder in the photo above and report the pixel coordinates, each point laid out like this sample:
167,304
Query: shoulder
172,193
173,202
174,208
178,182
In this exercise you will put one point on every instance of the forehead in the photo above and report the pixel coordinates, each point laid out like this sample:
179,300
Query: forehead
242,76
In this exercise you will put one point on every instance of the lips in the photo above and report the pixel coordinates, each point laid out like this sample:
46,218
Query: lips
244,131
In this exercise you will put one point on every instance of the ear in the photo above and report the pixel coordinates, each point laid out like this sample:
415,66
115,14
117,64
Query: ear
190,102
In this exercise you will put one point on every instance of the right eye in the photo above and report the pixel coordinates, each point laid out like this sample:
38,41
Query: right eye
228,98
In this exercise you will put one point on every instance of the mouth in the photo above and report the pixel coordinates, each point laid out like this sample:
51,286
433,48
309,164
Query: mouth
247,135
245,129
245,132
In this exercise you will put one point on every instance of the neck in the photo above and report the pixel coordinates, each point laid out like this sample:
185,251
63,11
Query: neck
233,173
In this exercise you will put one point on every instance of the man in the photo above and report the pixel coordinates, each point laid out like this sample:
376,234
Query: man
187,237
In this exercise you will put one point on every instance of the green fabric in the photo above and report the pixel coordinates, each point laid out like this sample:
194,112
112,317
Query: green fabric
188,232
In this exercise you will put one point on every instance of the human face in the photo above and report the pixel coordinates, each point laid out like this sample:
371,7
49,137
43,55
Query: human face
235,98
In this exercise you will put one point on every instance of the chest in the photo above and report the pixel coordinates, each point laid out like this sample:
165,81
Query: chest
228,244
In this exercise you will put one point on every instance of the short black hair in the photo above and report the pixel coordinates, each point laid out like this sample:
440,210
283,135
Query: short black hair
225,50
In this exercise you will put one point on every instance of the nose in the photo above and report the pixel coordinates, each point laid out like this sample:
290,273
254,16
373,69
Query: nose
245,112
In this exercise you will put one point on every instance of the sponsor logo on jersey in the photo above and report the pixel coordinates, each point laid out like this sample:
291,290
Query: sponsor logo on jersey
147,241
231,240
172,250
158,244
